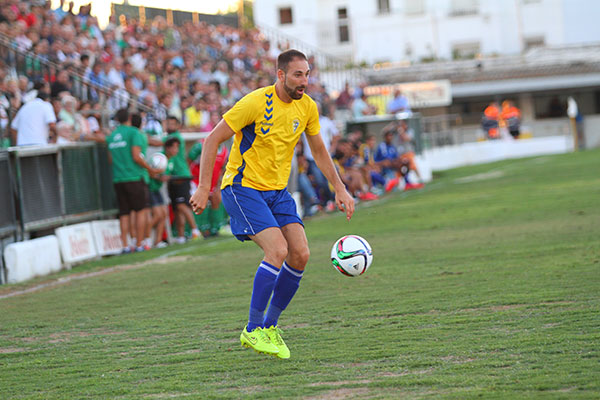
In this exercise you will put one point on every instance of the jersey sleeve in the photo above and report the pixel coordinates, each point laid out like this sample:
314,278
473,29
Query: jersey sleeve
312,124
195,151
243,113
136,138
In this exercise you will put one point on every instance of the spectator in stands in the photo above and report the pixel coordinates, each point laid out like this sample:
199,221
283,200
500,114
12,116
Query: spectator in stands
344,161
62,84
125,149
406,149
490,120
64,133
388,159
345,98
360,107
398,104
35,120
367,154
69,114
511,117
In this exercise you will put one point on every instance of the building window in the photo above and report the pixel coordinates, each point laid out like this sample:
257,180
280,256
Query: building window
343,29
383,6
464,7
533,42
464,51
414,8
285,16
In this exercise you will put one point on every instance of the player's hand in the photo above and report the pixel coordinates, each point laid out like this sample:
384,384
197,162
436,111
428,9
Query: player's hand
345,203
199,200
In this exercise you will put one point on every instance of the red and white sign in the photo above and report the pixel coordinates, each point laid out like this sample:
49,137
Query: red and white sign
76,242
107,236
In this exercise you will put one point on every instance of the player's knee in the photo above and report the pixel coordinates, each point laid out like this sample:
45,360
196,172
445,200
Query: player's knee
278,254
299,257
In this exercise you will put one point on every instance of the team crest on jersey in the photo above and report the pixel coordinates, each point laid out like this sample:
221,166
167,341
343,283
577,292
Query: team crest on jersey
295,125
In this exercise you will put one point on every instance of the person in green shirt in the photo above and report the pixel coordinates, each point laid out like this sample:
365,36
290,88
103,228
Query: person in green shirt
146,243
128,166
179,184
159,208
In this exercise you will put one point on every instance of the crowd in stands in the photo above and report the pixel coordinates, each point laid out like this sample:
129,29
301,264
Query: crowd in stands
191,73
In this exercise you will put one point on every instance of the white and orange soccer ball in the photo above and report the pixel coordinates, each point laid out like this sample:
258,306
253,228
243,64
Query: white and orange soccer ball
351,255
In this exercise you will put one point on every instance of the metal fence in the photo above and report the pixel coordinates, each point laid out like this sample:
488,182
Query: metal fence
8,220
56,185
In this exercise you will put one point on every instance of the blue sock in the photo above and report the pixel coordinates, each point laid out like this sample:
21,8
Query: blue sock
264,281
286,286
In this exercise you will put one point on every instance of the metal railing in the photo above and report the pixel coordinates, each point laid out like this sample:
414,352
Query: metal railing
58,185
333,71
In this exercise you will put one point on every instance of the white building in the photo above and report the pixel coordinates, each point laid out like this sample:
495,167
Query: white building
412,30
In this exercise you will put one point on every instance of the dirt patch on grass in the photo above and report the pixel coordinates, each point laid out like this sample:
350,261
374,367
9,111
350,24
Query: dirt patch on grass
344,393
457,360
10,350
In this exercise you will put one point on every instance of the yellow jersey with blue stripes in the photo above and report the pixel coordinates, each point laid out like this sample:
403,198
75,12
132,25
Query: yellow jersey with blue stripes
266,132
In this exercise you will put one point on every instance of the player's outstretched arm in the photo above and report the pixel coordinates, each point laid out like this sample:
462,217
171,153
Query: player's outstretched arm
219,134
343,200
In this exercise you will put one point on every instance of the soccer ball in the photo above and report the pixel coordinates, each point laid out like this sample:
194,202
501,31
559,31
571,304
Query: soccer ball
351,255
159,161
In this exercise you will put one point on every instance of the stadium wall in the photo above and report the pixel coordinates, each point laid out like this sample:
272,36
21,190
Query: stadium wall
443,158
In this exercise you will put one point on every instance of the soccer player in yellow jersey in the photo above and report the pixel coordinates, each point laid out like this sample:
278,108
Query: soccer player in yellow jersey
267,124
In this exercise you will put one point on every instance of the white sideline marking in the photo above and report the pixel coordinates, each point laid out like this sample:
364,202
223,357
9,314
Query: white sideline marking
67,279
480,177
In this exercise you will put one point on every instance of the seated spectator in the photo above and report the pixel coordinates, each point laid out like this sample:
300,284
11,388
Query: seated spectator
388,159
361,108
64,133
406,149
398,104
69,114
344,159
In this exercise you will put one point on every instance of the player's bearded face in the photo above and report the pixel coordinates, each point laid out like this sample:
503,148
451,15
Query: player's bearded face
293,90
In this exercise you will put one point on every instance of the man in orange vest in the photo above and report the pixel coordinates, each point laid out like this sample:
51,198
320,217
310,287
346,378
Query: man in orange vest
511,116
490,120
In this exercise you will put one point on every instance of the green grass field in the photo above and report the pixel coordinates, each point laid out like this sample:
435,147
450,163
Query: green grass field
484,284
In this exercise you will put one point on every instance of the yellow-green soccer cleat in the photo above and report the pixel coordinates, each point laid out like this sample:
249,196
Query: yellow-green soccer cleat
275,335
259,341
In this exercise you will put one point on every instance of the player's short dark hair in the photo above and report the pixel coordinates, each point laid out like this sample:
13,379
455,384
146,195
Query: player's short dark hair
287,56
122,115
173,117
136,120
171,141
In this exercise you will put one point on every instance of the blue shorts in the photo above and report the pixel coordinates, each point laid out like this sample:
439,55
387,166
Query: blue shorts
252,211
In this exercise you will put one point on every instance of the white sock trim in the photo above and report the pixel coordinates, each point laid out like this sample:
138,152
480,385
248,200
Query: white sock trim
272,270
291,271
